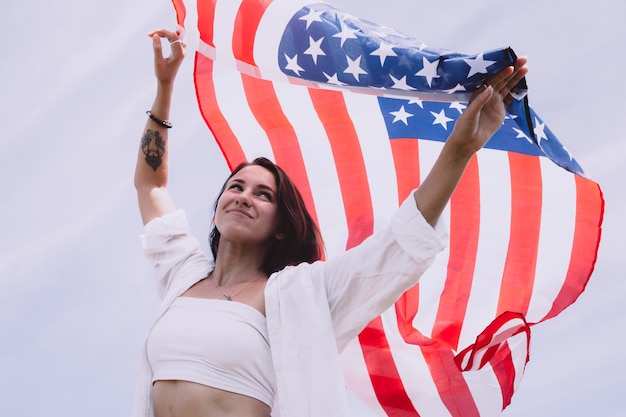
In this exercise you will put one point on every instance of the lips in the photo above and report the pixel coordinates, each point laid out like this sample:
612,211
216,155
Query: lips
240,211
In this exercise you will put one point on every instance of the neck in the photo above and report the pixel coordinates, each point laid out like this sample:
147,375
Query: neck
233,265
225,277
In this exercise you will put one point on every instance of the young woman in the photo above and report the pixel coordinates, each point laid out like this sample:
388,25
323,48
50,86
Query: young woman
256,330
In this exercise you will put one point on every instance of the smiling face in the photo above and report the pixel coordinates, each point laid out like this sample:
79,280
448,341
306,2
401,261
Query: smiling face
247,210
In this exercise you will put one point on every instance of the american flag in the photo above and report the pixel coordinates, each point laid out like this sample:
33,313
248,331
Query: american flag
356,113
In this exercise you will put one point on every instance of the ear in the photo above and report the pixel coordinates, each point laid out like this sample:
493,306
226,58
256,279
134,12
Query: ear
279,235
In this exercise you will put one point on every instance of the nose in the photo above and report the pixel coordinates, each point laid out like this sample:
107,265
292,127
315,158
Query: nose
242,199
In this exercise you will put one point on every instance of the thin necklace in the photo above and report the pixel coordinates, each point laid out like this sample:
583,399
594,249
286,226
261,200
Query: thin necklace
230,297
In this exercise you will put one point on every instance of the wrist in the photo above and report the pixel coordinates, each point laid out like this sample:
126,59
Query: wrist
165,88
458,149
161,122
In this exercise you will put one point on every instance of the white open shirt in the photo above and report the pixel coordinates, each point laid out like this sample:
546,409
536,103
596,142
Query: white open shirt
312,310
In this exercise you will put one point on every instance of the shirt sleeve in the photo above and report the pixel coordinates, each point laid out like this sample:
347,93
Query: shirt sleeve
174,253
365,281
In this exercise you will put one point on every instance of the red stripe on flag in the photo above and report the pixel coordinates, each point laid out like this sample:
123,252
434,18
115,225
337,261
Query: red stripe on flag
464,227
406,309
383,371
246,24
205,94
487,343
451,386
406,161
504,369
181,12
518,277
268,112
206,18
344,142
589,214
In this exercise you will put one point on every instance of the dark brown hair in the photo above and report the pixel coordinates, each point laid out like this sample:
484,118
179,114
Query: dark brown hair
301,242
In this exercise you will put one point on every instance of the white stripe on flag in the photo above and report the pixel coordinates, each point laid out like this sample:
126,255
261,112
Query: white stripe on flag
493,241
231,99
319,162
224,23
485,389
376,149
191,36
557,235
432,282
519,343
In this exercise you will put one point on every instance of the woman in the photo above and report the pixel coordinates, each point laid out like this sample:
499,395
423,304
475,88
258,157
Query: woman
257,331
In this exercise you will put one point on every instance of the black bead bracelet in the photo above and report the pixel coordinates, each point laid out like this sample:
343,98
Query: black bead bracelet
155,119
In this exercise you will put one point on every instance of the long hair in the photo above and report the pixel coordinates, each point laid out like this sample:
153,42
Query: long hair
301,242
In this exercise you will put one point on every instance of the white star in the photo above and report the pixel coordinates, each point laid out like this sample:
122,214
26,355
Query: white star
400,84
458,106
539,131
429,70
292,64
441,119
478,65
384,50
354,67
332,79
522,135
346,33
315,48
313,16
456,88
401,115
416,101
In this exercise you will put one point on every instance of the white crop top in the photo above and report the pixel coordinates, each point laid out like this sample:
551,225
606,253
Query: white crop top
218,343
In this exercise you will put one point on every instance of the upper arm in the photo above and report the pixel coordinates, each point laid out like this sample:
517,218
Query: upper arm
174,253
154,202
151,173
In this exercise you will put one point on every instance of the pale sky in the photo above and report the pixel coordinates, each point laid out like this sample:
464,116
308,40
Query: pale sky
75,291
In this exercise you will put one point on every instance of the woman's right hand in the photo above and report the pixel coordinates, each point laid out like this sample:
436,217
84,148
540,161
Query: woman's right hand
165,68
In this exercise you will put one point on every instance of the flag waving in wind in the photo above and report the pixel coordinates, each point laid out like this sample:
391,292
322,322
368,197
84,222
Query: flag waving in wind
356,114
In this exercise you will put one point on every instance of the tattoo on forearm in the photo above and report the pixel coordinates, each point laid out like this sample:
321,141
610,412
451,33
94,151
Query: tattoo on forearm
153,147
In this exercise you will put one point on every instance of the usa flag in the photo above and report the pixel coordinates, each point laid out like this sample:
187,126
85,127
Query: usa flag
356,113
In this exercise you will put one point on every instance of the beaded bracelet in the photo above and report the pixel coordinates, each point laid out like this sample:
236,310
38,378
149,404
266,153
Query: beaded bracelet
155,119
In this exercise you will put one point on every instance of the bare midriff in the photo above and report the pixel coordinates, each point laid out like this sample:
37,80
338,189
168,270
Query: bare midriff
188,399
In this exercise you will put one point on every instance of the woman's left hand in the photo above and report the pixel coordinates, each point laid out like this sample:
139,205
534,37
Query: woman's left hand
480,120
486,109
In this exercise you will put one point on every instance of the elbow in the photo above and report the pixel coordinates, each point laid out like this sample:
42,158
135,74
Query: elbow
148,181
144,188
139,183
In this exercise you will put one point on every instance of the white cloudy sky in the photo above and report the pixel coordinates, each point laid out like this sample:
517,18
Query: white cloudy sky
75,81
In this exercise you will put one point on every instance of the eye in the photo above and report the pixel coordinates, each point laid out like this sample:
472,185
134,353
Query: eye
235,186
266,195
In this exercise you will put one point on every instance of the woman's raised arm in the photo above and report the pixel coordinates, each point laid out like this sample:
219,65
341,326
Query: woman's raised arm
151,172
480,120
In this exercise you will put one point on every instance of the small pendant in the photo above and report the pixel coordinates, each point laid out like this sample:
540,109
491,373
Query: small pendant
229,298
